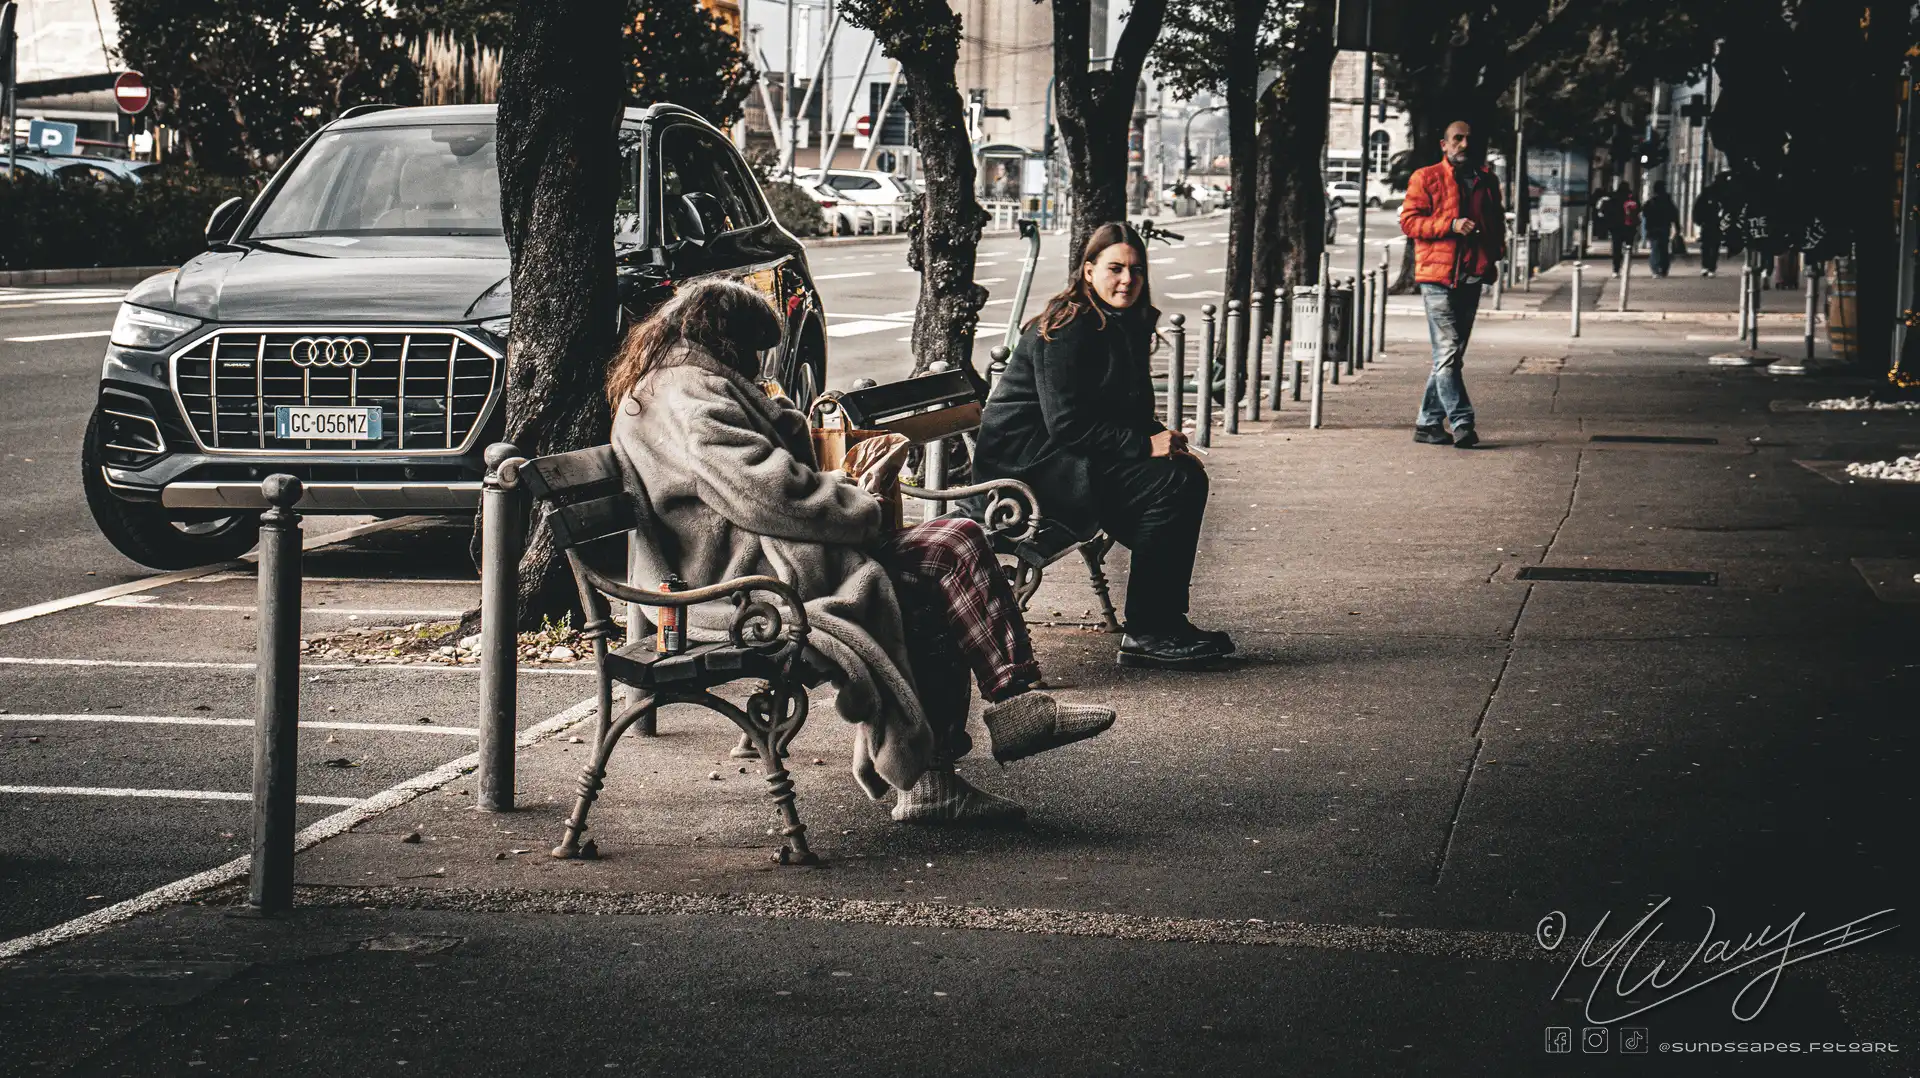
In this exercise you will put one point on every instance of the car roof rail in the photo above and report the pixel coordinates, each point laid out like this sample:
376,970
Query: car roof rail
362,110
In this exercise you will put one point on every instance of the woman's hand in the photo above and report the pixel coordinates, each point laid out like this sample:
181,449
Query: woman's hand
1168,442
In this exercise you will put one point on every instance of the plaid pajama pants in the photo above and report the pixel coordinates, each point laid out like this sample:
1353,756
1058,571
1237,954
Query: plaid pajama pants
957,605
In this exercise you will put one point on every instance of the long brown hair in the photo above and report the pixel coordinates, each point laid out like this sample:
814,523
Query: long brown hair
1078,297
725,319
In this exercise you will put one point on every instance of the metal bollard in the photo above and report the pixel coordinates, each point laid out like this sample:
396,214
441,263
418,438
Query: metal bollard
1236,352
1299,363
934,460
1579,270
1321,310
1256,340
1753,308
1386,286
1366,337
1203,380
1499,276
1282,295
1813,293
997,357
1177,372
276,685
500,547
1746,298
1626,275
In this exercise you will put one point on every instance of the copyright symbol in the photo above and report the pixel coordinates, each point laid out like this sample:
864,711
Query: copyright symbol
1551,930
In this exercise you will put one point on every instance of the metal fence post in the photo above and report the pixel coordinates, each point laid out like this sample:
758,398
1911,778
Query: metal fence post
1281,295
1626,273
1203,379
1499,278
1256,341
1300,333
997,357
1813,292
1746,297
500,546
1579,270
1177,373
1321,309
1373,293
1753,311
1236,352
276,680
1386,286
934,466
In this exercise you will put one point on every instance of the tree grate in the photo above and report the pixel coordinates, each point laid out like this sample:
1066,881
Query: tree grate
1653,439
1686,577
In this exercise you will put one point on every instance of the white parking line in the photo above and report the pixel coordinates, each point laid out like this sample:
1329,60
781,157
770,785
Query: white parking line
78,300
202,720
842,276
1176,277
173,795
148,602
180,664
37,338
338,823
26,294
1218,269
1202,294
222,578
859,326
989,280
89,598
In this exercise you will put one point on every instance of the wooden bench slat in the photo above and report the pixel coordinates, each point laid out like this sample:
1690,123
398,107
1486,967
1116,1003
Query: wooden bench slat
563,473
875,406
923,427
593,519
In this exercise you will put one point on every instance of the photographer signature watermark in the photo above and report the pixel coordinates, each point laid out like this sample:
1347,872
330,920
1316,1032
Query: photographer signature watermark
1631,962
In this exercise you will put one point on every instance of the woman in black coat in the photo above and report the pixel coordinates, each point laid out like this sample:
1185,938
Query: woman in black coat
1073,417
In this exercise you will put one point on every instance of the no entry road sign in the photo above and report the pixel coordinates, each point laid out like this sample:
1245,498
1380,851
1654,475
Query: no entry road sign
130,93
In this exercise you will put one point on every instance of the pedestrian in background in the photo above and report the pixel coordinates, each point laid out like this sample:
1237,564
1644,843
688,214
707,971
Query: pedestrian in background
1661,217
1706,217
1620,216
1453,215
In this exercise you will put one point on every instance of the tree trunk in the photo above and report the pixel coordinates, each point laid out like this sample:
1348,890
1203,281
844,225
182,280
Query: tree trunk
1243,166
560,97
1095,110
1290,225
945,230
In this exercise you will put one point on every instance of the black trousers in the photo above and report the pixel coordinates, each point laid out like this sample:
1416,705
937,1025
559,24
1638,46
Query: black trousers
1154,508
1710,249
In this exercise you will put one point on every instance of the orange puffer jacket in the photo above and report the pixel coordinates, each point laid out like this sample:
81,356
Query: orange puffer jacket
1427,216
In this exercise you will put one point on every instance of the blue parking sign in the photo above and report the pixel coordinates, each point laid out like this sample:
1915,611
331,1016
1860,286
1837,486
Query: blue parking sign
51,136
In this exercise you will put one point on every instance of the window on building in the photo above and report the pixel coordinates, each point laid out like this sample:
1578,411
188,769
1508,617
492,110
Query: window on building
1380,152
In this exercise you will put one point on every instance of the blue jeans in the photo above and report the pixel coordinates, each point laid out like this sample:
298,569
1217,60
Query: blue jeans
1660,254
1450,314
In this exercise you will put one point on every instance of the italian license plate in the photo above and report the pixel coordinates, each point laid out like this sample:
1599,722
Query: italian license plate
327,424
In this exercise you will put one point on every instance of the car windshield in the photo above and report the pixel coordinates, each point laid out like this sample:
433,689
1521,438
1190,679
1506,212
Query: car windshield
390,181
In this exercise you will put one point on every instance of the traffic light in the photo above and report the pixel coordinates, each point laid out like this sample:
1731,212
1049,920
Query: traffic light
1189,161
1046,142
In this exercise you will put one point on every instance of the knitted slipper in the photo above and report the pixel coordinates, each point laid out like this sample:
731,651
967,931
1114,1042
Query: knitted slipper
1035,722
944,797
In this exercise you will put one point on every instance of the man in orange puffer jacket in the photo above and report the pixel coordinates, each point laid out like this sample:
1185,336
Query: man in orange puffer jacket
1452,214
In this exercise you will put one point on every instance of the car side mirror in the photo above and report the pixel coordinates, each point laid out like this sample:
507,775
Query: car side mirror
224,219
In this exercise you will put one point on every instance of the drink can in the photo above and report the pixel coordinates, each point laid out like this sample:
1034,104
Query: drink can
671,636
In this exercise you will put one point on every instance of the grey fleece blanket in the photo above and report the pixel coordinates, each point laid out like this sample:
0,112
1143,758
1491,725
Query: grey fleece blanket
730,476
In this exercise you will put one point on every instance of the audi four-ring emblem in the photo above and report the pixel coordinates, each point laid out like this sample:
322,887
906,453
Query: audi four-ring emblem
331,352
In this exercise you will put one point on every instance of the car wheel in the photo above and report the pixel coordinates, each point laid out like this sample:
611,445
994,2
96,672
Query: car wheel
146,533
1374,202
809,372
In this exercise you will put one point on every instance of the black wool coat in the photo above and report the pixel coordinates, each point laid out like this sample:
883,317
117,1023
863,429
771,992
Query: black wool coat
1070,405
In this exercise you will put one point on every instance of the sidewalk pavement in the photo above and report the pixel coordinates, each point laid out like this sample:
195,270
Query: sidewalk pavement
1334,856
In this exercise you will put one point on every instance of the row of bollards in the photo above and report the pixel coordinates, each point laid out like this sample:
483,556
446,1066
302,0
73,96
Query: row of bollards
276,729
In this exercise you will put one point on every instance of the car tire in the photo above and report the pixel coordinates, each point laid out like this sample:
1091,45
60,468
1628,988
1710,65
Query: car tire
1374,203
809,372
146,533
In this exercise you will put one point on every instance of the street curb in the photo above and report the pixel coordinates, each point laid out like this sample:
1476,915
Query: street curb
1706,317
80,275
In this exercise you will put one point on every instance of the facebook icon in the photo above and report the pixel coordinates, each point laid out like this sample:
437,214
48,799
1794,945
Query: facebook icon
1559,1040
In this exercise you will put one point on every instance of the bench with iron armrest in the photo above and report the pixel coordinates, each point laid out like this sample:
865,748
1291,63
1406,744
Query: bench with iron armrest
589,500
929,409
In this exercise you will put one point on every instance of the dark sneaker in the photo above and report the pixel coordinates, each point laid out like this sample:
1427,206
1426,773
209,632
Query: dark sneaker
1432,436
1168,651
1466,439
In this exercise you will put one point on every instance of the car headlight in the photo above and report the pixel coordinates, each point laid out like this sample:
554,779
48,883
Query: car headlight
498,326
148,329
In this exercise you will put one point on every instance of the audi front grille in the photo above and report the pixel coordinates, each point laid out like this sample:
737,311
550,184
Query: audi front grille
432,386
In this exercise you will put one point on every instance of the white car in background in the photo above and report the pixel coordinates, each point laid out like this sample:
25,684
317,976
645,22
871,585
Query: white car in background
840,220
867,187
1343,193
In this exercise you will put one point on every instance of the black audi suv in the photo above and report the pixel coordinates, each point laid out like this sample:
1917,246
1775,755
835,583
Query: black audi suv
350,326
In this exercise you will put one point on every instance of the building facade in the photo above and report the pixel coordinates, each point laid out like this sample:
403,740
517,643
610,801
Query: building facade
1388,134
